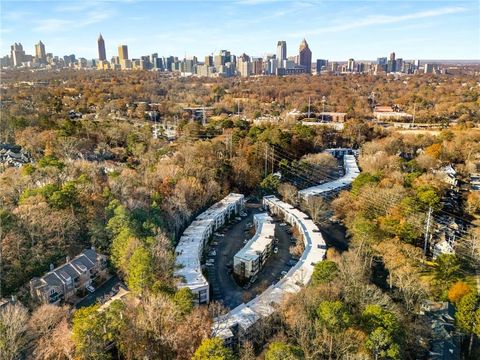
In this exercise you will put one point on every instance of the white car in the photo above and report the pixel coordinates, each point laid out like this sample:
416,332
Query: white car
219,234
90,289
209,264
283,224
275,250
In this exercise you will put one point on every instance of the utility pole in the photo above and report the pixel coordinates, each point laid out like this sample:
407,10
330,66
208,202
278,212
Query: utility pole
427,231
324,100
414,112
266,159
273,159
309,107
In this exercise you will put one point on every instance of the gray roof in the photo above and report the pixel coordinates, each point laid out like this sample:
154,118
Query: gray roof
85,261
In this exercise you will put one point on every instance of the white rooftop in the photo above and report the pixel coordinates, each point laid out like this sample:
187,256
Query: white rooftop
190,246
298,276
263,237
351,172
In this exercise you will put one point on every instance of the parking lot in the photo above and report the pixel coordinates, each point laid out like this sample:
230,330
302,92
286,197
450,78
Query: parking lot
101,294
231,240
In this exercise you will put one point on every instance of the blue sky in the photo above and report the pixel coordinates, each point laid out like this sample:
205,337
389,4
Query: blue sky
335,30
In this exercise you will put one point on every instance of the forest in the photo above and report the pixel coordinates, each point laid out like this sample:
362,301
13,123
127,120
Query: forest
103,180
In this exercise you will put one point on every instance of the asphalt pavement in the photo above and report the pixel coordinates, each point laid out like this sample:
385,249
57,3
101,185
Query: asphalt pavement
222,284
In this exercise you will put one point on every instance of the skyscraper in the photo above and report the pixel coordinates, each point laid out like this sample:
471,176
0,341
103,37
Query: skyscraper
40,51
351,65
17,54
281,53
305,56
102,54
123,52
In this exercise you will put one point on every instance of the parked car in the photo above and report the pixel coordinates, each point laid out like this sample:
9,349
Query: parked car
238,218
275,250
283,224
283,273
245,241
219,234
90,289
209,264
253,279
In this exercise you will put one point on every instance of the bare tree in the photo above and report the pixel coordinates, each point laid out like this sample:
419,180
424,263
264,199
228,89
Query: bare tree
56,345
13,327
289,193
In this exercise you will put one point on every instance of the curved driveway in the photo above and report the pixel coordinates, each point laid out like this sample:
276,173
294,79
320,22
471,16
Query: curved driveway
223,286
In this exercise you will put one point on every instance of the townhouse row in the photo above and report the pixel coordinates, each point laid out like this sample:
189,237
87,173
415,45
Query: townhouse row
193,240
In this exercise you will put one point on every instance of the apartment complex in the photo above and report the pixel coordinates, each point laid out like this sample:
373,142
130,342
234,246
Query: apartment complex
68,282
190,246
238,323
251,258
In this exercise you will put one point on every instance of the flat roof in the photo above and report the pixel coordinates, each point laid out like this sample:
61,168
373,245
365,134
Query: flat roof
298,276
263,237
351,172
190,246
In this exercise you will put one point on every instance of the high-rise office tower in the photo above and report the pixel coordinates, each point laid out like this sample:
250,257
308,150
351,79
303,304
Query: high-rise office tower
305,56
17,54
321,64
351,65
40,51
102,54
392,56
209,60
281,53
123,52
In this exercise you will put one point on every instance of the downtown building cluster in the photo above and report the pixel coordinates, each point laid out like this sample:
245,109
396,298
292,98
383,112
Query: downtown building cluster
222,64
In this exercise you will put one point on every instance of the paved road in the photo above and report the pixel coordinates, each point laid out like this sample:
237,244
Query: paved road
223,286
104,289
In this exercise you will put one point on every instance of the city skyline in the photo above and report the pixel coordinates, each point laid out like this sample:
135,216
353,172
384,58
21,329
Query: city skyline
420,30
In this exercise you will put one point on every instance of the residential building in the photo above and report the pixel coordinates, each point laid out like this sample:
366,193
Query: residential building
445,341
190,246
69,281
13,156
448,175
238,323
102,54
250,259
332,116
305,56
351,172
